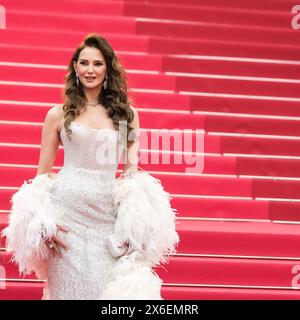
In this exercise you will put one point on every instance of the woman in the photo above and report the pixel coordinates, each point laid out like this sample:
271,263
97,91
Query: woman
95,126
95,102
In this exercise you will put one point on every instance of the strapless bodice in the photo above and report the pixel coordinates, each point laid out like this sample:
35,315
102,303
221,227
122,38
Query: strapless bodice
91,149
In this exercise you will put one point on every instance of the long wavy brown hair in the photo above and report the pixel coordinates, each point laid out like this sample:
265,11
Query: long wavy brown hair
114,98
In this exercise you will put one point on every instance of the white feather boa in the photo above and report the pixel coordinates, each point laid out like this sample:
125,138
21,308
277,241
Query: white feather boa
30,224
132,280
146,220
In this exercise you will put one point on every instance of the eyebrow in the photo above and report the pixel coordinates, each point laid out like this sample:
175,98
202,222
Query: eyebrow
94,60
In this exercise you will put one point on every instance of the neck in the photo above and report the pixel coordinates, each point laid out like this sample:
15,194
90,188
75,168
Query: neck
91,95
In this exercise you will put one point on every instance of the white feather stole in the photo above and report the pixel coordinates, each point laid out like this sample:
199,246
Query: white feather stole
146,220
132,280
30,224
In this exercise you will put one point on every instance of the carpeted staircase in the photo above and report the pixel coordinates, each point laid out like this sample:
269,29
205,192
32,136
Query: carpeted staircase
230,68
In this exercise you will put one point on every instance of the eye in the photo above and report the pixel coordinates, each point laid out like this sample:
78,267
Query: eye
82,62
99,64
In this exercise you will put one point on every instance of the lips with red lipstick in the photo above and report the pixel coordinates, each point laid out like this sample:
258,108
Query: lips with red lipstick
90,79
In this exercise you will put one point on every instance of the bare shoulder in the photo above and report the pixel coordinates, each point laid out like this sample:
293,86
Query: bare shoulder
55,117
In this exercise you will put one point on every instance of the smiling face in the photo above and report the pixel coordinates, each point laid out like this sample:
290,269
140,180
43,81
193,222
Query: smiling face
91,67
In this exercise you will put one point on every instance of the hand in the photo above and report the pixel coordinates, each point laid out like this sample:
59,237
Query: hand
128,251
51,175
54,242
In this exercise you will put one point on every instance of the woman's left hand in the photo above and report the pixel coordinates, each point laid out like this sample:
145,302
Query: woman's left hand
128,251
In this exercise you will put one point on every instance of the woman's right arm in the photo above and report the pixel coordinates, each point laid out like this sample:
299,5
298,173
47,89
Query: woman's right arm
49,147
49,140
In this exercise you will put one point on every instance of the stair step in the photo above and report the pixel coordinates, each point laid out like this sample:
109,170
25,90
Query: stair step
151,139
232,272
204,13
226,48
157,62
154,44
196,185
128,25
54,21
56,76
167,120
211,208
49,95
257,5
212,271
196,12
15,290
63,6
218,31
212,143
64,40
245,104
234,66
150,160
33,291
203,293
239,238
164,82
257,239
19,54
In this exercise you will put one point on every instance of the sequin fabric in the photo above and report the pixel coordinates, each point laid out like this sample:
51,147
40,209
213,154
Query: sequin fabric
82,191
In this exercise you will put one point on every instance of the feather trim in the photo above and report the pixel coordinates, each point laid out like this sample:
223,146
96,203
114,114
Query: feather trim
145,217
30,224
132,280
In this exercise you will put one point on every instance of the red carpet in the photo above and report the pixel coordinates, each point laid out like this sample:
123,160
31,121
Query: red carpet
230,68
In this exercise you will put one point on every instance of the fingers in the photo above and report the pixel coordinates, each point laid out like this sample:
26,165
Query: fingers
57,242
60,242
129,250
61,228
122,244
51,249
56,250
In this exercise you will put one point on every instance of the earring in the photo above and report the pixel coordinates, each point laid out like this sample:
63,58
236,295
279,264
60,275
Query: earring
77,81
105,84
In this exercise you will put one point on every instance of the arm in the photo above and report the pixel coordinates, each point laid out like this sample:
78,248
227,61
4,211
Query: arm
132,155
49,140
49,147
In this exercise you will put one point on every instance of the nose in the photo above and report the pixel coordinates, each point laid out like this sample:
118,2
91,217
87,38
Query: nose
90,69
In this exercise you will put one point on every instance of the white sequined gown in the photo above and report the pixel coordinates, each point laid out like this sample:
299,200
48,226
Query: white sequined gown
83,193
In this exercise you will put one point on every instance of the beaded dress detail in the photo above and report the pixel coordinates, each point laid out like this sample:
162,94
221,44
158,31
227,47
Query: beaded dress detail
82,191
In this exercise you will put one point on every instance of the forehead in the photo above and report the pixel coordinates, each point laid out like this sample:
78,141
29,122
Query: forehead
89,53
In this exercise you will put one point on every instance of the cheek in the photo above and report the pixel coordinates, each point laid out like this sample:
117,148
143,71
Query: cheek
100,71
81,70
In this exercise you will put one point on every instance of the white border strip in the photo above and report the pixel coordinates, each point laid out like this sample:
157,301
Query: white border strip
237,96
252,135
221,256
243,115
233,286
64,67
233,59
228,256
231,77
176,173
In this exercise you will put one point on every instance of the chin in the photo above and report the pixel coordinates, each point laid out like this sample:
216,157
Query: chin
91,85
